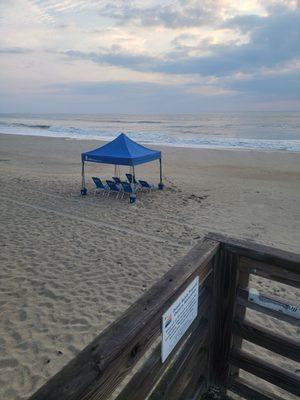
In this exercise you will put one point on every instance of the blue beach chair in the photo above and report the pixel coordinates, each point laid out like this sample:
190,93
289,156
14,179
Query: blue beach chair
113,188
127,189
100,187
146,186
117,180
131,179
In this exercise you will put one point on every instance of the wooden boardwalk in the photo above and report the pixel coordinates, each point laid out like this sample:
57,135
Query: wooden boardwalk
209,355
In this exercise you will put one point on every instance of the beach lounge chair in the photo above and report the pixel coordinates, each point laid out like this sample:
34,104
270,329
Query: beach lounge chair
127,189
117,180
113,188
131,179
145,185
100,187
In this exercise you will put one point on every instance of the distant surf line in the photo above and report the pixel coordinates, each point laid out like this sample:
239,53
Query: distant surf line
196,141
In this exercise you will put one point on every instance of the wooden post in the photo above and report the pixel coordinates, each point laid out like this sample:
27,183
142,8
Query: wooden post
223,304
240,312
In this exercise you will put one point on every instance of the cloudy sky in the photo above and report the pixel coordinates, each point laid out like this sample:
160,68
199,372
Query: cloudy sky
149,56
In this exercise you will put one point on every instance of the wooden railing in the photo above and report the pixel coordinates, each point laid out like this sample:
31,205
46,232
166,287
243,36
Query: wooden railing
209,354
236,261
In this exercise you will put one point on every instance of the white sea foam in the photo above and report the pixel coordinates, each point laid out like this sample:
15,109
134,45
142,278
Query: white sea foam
179,132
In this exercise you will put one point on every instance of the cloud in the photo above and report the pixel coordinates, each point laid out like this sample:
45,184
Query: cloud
244,23
273,40
114,57
189,52
278,86
59,6
176,15
143,89
14,50
139,97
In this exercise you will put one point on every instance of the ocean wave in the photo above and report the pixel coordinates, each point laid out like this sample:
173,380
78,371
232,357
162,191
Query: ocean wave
69,129
126,121
18,124
189,139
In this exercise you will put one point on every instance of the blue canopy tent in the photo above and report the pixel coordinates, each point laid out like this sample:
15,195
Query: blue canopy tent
121,151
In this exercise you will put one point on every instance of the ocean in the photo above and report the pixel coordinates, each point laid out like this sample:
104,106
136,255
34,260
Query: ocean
264,131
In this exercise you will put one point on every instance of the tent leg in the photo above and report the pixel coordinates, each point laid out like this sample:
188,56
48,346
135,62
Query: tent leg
133,195
160,185
83,188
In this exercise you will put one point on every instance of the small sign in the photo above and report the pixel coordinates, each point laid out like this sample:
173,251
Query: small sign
273,304
178,318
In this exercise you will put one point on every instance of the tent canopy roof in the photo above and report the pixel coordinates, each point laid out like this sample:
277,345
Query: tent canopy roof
121,151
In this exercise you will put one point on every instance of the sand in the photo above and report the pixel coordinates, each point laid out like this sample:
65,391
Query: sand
71,265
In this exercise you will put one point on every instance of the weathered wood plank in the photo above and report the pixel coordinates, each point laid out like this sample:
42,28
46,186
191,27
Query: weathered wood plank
287,262
269,271
271,373
195,389
142,383
225,281
284,312
247,390
175,385
240,312
265,338
96,371
191,360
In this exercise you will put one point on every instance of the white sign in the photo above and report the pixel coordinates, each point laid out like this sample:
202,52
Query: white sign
273,304
177,319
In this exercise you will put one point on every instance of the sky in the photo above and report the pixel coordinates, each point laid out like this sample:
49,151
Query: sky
150,56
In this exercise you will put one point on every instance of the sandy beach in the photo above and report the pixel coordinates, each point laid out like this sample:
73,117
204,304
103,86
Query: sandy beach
71,265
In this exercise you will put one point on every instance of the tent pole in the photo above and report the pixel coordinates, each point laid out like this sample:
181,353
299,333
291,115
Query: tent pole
161,185
133,197
133,176
83,188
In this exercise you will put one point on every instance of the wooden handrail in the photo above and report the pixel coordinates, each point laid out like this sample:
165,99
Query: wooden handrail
270,271
120,346
210,350
285,260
